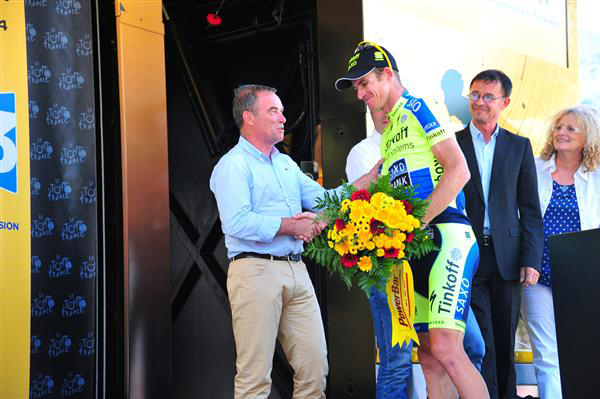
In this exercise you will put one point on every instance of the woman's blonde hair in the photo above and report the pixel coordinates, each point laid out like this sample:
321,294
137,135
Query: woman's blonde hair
589,121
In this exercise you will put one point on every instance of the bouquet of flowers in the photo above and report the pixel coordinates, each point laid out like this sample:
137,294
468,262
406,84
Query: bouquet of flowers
371,236
370,232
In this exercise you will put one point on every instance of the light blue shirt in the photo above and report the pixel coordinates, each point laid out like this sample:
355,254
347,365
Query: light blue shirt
254,192
484,152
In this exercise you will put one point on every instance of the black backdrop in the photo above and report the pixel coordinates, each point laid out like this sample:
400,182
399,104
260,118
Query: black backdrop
63,199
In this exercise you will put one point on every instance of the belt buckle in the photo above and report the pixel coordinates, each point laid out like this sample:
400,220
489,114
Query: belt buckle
487,241
294,257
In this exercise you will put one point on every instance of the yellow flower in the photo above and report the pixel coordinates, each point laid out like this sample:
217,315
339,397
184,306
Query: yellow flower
342,248
353,250
398,235
383,215
380,252
345,204
397,243
350,229
330,243
364,236
394,221
415,222
365,263
369,211
370,245
379,240
357,210
376,199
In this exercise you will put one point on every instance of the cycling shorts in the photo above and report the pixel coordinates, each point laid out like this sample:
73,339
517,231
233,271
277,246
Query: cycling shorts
445,277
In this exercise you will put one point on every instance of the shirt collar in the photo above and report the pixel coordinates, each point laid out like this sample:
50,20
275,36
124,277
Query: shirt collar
399,104
477,135
551,164
246,145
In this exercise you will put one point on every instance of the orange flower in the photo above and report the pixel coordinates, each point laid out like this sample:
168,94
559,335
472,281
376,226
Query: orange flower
365,263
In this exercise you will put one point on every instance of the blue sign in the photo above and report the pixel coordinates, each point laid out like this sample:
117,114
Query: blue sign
8,142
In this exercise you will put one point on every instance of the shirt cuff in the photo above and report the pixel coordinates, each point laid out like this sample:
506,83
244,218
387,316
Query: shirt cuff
269,228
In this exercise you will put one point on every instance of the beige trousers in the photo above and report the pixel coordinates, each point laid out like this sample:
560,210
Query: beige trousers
269,300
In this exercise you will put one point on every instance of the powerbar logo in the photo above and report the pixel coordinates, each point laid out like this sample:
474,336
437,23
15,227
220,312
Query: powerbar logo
8,142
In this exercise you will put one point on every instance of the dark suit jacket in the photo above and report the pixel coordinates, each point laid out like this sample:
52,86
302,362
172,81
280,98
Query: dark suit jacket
514,207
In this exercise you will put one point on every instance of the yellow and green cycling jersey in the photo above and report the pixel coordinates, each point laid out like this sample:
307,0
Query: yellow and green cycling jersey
406,147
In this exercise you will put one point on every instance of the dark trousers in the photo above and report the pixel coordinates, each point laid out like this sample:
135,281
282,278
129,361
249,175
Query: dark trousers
496,303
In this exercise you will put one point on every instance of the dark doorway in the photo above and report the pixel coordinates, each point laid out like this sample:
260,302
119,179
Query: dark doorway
272,42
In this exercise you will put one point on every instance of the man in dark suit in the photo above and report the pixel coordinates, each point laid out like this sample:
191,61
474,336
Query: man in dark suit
502,203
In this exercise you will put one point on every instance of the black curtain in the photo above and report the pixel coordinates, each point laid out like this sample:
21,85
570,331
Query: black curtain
64,237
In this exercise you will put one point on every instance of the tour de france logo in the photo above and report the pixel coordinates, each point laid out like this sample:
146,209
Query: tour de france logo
36,264
41,149
72,384
36,344
87,346
38,73
83,48
42,385
42,305
88,268
59,190
87,195
55,40
73,305
59,345
60,266
34,109
30,32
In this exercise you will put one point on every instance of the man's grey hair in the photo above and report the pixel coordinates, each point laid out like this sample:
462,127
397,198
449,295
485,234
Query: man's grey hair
379,72
244,99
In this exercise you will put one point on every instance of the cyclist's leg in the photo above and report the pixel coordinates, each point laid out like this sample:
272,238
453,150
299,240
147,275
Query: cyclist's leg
449,296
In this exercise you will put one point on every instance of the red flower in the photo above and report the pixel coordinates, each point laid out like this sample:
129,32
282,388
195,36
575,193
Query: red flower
409,237
340,224
407,206
360,195
377,226
349,260
391,253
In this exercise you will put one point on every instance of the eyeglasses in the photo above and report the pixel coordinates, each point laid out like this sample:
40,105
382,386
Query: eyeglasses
487,98
570,129
366,45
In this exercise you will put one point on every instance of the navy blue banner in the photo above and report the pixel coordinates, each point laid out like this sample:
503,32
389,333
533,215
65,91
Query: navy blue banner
63,198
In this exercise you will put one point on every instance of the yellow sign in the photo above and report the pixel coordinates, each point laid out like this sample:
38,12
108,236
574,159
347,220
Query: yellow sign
401,300
15,236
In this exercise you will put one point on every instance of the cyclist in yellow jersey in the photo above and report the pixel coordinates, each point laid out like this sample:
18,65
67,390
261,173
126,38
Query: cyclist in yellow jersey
419,152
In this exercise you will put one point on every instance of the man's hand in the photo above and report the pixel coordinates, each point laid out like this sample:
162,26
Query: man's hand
529,276
370,177
301,226
318,225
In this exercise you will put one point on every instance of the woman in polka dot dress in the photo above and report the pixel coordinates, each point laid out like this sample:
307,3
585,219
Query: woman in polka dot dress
569,188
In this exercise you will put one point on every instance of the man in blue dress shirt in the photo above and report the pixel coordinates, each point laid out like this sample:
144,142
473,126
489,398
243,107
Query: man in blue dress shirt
503,205
260,194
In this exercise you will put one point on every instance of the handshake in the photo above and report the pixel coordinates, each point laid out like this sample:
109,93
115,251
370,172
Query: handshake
305,227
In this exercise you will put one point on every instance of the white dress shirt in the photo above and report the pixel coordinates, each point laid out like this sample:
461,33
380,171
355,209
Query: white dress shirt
363,156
